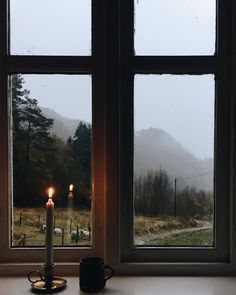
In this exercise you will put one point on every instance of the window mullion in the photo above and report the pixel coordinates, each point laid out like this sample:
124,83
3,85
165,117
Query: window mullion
175,64
126,124
4,125
112,132
99,121
50,64
233,141
3,28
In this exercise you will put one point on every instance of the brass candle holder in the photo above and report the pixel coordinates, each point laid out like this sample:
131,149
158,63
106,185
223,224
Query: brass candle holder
46,283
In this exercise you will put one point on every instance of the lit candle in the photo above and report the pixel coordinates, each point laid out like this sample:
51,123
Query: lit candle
71,190
71,187
49,229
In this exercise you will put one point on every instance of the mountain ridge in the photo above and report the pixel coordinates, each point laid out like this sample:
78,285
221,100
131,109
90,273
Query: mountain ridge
63,127
154,149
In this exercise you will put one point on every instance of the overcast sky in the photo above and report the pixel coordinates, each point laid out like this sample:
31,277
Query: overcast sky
68,95
182,106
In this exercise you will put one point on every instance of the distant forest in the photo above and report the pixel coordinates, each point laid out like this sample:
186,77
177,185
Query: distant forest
154,195
41,159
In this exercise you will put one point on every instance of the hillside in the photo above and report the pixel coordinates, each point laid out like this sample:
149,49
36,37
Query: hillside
155,149
63,127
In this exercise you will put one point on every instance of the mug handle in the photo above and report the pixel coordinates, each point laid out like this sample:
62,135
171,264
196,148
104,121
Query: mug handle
111,269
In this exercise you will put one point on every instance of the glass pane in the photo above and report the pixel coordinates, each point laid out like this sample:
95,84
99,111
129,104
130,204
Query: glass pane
51,135
173,160
52,27
175,27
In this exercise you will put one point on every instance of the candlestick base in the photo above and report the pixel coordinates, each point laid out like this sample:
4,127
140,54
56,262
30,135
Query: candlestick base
48,275
58,284
47,283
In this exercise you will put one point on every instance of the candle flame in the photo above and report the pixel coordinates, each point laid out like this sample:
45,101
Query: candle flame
71,187
50,192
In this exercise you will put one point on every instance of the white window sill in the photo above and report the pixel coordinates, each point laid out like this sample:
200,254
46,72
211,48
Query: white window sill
137,285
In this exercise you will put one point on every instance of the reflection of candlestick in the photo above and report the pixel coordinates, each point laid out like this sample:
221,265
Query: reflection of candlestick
70,207
49,229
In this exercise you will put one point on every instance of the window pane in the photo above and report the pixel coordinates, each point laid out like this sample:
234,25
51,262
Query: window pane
173,160
52,27
51,135
175,27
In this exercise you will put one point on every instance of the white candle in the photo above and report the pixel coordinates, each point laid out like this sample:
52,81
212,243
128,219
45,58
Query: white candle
71,187
49,229
71,190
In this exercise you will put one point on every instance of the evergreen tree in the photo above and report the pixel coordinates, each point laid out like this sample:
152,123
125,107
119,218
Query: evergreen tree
32,146
81,166
153,194
192,203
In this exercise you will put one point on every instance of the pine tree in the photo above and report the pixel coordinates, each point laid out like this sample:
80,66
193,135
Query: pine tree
31,146
81,154
153,193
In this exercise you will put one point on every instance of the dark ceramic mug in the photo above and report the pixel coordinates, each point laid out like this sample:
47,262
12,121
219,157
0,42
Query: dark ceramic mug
93,274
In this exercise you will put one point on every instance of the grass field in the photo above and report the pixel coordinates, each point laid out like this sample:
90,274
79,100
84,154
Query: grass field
145,225
148,231
172,231
29,222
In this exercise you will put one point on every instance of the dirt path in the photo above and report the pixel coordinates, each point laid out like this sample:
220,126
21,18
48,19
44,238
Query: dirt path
142,240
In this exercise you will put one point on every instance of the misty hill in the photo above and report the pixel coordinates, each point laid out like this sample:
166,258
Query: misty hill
63,127
155,149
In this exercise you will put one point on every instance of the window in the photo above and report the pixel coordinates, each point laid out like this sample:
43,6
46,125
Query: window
160,62
53,71
51,139
174,160
63,20
139,67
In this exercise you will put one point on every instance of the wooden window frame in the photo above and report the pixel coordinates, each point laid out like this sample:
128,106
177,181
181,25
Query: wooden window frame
113,66
181,260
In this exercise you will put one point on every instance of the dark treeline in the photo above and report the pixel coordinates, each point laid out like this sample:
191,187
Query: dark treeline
155,196
41,159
